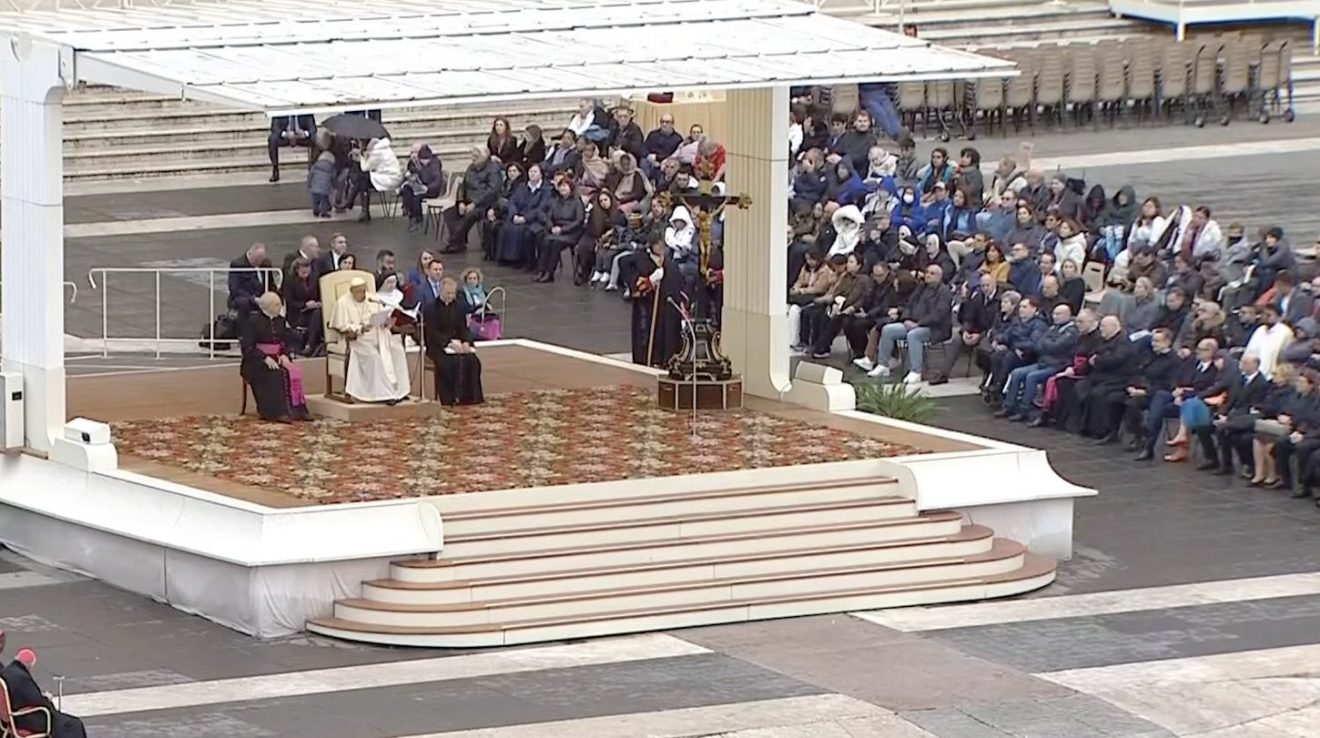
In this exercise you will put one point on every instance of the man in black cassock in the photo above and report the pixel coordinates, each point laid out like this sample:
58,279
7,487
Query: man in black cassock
276,382
25,693
449,346
656,323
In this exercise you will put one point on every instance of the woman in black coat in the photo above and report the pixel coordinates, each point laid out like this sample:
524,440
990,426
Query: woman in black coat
563,219
449,346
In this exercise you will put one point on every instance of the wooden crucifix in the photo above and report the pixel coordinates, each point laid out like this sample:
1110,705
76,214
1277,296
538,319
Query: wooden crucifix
706,206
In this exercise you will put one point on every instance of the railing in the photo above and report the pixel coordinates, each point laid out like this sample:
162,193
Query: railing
71,286
159,340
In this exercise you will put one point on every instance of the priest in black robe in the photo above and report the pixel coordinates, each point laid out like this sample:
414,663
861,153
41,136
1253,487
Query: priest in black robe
656,322
25,694
268,368
449,346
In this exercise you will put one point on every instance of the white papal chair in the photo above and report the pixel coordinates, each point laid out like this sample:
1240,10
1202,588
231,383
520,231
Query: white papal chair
335,285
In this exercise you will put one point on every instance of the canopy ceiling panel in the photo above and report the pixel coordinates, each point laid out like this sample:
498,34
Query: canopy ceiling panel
292,55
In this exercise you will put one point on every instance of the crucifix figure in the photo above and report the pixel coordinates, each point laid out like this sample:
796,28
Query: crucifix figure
706,207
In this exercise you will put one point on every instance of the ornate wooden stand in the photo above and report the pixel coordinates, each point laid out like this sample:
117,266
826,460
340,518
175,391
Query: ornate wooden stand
700,372
711,394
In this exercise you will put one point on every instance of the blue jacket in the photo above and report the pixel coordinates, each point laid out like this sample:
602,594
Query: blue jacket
934,213
321,178
809,186
849,191
996,224
913,216
958,220
1024,276
1024,335
1057,345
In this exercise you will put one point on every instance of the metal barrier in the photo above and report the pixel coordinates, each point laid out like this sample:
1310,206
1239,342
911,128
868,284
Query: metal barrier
99,280
71,286
159,340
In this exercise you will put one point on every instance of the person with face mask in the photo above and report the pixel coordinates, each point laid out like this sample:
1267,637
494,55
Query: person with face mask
908,211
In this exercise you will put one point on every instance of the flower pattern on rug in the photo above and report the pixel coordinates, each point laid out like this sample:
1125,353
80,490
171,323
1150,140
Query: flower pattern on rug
525,439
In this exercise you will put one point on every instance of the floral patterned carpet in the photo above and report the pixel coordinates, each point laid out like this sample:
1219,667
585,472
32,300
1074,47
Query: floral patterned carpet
526,439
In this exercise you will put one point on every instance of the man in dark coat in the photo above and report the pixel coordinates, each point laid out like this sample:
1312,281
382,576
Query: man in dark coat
660,144
482,184
926,318
1105,386
626,135
976,315
25,694
656,323
1054,351
1234,423
245,283
1150,393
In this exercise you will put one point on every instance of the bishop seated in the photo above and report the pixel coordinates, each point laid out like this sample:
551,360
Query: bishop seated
377,365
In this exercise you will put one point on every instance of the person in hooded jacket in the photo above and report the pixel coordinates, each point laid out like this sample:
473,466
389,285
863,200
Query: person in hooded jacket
843,186
847,224
935,253
1110,224
809,186
1071,245
908,211
969,177
880,241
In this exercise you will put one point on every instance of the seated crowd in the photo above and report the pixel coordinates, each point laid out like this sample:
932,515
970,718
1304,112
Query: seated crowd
1186,324
594,194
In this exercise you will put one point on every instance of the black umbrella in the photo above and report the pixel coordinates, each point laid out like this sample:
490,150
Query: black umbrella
351,125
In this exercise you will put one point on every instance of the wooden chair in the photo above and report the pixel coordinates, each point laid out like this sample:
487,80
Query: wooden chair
334,286
8,715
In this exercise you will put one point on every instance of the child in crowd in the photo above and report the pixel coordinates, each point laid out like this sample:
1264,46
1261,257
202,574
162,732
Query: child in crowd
320,183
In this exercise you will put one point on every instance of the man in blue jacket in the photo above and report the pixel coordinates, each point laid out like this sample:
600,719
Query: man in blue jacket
1023,271
1015,348
1054,352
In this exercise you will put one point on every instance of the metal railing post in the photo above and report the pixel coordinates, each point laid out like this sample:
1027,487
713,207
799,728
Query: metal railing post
210,321
105,315
158,316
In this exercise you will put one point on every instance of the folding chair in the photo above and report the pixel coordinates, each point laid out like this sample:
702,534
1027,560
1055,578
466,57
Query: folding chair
1113,82
1172,86
1141,76
1082,83
988,101
1049,81
1204,92
1020,96
1236,87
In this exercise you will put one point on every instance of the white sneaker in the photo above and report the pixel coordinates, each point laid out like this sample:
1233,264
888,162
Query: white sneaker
879,371
864,363
599,276
912,378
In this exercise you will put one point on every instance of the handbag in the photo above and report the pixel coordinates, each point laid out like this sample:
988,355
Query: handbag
485,326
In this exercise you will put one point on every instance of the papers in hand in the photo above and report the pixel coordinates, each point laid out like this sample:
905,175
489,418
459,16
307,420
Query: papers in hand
657,275
381,318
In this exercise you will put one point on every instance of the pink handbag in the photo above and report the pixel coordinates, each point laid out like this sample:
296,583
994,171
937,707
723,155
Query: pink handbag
485,328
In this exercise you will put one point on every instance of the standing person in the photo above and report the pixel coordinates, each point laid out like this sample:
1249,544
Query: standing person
276,382
656,323
449,346
321,184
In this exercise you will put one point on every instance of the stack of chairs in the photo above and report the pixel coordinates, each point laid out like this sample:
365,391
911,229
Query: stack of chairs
1144,80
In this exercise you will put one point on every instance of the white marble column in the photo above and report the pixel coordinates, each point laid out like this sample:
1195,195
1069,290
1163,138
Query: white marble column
755,319
32,233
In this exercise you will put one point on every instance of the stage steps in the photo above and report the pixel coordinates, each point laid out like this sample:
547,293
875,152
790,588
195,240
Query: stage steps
112,134
591,566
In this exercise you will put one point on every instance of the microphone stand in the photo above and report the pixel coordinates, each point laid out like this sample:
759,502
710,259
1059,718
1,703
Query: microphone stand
692,377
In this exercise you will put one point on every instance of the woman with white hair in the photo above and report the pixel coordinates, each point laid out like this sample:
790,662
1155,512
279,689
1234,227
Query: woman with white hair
276,382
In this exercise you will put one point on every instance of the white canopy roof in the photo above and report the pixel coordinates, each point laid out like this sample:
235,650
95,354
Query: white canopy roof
287,55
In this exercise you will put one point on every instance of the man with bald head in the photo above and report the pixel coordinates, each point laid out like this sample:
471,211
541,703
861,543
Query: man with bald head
310,249
927,317
246,283
1053,352
1234,423
1106,384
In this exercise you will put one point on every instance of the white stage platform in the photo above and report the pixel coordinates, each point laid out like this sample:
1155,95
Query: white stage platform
1183,13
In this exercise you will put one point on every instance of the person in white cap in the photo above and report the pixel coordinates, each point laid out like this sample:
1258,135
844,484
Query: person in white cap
377,365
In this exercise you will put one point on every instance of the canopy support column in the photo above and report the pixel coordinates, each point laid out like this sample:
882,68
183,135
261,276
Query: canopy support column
32,233
754,329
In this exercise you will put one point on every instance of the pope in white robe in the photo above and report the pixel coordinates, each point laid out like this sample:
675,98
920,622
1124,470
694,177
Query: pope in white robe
377,365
